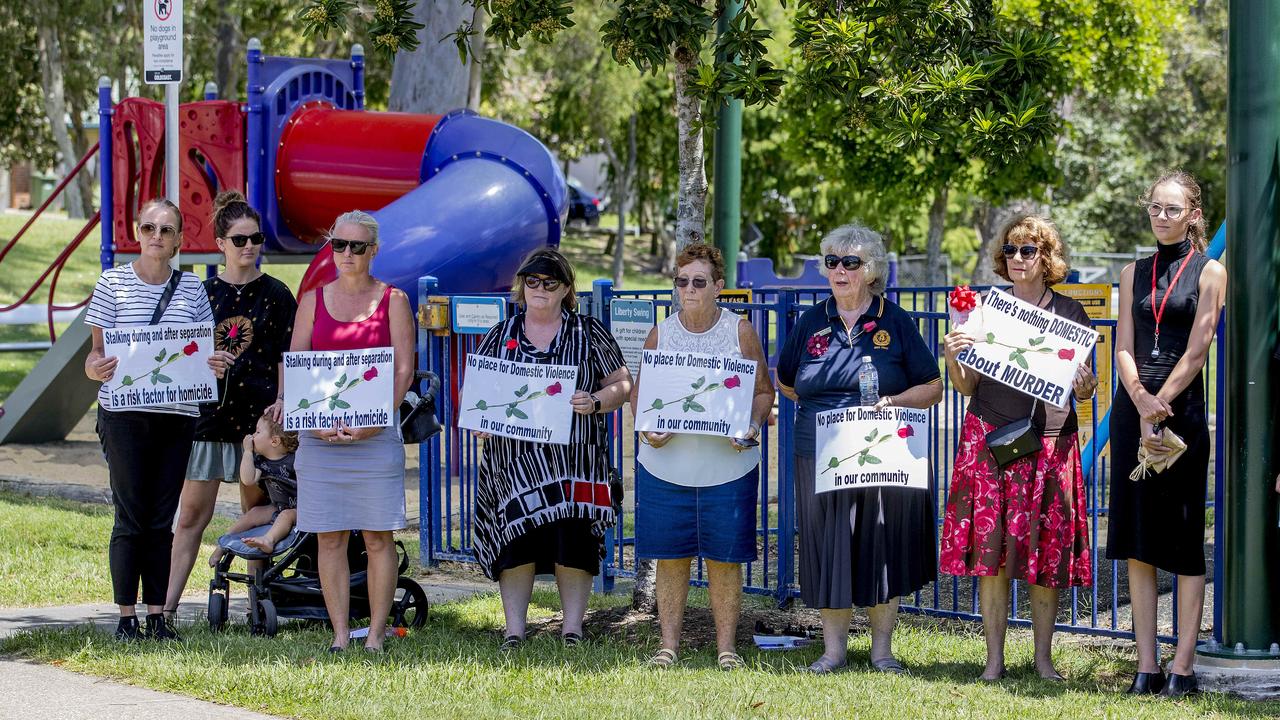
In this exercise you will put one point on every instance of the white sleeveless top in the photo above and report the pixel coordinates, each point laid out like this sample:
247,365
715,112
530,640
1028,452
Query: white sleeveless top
699,460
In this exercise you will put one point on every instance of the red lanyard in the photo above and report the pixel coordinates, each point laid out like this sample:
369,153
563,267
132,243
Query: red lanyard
1159,313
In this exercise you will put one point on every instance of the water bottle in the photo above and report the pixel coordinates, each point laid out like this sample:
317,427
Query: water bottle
868,382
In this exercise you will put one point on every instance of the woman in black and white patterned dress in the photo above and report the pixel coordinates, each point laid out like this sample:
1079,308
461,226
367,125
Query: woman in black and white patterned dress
542,507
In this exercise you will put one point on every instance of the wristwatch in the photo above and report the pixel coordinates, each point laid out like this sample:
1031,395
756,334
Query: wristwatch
595,400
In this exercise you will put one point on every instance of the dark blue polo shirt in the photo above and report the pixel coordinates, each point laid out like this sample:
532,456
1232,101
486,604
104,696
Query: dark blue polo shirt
830,381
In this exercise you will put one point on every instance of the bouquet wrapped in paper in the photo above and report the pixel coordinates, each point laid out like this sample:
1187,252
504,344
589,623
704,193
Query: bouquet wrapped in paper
1157,462
965,308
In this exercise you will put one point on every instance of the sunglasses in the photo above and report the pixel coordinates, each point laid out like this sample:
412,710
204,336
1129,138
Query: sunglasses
850,262
1173,212
340,246
168,232
240,240
683,282
1026,251
535,282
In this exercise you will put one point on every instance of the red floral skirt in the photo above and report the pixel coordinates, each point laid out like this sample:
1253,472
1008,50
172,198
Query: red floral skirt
1029,518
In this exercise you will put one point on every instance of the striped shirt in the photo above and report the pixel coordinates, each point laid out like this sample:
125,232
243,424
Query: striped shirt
122,299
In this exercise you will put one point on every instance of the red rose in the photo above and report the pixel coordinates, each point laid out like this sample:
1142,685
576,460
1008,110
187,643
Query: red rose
869,326
1068,354
552,390
190,349
906,431
370,374
963,299
1018,525
511,344
233,332
733,382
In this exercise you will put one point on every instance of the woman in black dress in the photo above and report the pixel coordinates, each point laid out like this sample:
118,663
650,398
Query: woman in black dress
1169,311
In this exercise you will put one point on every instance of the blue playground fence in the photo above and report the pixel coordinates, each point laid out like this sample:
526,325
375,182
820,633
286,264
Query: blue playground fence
449,469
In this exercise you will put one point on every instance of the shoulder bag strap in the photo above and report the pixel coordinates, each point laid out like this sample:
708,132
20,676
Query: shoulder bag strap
166,296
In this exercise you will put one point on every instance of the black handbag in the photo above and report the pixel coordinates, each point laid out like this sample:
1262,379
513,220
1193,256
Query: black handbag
1014,441
418,420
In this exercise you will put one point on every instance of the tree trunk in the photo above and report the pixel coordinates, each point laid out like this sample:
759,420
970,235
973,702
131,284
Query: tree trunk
430,79
80,146
937,225
624,187
227,58
644,597
691,203
55,108
988,222
475,71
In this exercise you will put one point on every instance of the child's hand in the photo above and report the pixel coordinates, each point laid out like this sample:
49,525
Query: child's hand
247,444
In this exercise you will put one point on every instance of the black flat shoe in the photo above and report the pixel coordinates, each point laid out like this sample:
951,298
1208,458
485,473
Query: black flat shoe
510,642
571,639
1147,683
127,629
158,628
1181,686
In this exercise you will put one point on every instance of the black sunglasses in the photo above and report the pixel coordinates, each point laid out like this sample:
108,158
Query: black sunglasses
850,262
340,246
1026,251
683,282
239,240
535,282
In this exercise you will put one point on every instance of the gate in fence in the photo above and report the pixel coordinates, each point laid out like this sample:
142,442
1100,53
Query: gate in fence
449,468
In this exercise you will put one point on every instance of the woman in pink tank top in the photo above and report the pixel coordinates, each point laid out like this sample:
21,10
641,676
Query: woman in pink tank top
353,479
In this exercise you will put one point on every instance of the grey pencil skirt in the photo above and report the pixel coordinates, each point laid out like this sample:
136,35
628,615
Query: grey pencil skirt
356,486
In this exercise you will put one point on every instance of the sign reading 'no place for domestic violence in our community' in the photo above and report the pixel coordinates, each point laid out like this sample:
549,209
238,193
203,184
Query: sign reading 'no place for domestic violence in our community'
859,447
352,387
1025,347
524,401
160,365
696,393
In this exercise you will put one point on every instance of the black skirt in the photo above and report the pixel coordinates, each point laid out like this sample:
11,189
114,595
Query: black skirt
571,543
863,547
1160,519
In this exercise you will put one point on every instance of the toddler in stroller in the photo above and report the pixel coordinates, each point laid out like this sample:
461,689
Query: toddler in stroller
268,461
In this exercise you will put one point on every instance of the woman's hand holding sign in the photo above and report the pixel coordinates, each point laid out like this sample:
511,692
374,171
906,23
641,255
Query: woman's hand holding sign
100,368
955,343
1085,382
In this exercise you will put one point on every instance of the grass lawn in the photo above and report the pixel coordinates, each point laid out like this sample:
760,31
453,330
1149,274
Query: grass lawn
451,668
55,552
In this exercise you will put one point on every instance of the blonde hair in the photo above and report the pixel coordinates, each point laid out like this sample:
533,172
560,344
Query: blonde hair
288,439
1191,191
357,217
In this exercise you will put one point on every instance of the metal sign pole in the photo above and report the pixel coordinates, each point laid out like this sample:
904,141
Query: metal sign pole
171,181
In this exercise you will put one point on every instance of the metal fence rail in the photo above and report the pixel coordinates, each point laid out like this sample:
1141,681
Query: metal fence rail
449,469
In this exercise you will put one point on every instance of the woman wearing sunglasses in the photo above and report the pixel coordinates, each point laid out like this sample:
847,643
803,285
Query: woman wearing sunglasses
353,478
1027,520
1169,308
696,495
253,316
541,507
146,450
865,547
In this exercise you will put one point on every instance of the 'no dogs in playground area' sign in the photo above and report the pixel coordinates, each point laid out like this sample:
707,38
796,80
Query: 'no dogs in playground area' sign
162,41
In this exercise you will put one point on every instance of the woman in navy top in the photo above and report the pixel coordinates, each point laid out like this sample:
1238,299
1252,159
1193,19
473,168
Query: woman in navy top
860,546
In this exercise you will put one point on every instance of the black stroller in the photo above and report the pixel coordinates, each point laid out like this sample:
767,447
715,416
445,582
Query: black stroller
288,587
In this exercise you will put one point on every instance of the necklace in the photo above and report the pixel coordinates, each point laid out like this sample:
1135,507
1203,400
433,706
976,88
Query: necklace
1159,313
238,288
1046,292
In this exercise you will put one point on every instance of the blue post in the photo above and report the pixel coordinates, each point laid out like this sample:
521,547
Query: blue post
786,544
357,74
256,183
429,451
892,280
601,294
107,256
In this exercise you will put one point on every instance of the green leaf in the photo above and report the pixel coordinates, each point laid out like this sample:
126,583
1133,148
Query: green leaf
161,355
713,386
154,375
534,394
1021,361
163,378
342,404
657,404
685,406
333,403
833,462
342,381
511,410
872,460
519,413
1035,341
991,338
698,384
127,380
1014,355
482,405
696,407
304,403
875,433
523,389
862,460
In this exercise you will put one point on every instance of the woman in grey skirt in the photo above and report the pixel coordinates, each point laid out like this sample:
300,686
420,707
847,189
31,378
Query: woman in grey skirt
353,479
860,546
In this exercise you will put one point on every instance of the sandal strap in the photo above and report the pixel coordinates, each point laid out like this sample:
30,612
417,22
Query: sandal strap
666,657
729,660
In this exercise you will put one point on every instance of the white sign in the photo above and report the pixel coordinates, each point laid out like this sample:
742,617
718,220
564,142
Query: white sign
524,401
162,41
860,447
474,315
354,387
630,322
685,392
1030,349
160,365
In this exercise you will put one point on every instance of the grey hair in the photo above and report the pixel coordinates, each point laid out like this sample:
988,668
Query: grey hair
357,217
845,239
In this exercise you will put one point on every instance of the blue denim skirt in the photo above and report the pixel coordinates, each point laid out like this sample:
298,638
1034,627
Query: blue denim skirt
713,523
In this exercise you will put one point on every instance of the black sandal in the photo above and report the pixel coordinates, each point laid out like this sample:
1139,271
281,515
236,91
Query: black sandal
572,639
510,642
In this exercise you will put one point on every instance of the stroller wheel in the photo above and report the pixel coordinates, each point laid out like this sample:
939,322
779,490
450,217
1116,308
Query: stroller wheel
217,611
267,622
409,607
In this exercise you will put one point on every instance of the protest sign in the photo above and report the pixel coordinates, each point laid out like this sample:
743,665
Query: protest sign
352,387
160,365
861,447
524,401
686,392
1028,348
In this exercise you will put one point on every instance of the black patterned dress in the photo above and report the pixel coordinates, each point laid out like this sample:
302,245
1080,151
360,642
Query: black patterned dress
543,503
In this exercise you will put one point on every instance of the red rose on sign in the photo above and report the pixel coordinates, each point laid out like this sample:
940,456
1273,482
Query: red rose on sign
511,344
818,344
906,431
1068,354
869,326
963,299
553,390
733,382
370,374
233,332
190,349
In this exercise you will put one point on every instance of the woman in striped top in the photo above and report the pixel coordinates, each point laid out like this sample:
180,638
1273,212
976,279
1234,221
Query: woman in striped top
147,449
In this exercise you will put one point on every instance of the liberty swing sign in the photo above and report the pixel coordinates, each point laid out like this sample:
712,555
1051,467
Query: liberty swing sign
162,43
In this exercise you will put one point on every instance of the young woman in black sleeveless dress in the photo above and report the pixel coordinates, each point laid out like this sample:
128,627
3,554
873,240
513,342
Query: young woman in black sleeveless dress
1169,304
